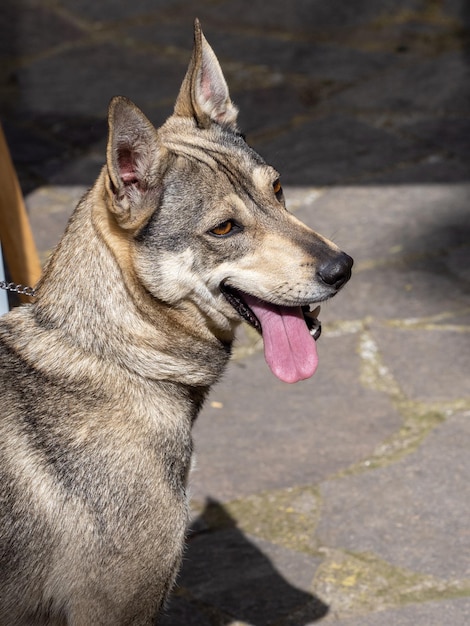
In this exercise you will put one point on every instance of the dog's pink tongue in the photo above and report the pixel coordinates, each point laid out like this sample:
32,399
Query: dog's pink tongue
289,349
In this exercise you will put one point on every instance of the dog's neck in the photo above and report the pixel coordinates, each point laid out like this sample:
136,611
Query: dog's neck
86,297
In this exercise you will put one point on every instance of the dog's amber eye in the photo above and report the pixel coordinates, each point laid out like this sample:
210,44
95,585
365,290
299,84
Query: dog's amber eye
223,229
277,188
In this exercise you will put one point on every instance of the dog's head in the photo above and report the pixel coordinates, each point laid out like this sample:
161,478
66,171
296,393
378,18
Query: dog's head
209,224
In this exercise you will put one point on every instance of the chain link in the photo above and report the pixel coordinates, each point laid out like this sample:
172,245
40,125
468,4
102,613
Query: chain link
20,289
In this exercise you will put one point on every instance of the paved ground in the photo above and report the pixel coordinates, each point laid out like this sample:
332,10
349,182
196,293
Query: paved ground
344,499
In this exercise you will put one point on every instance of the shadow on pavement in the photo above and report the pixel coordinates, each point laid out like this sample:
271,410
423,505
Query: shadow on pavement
226,569
335,96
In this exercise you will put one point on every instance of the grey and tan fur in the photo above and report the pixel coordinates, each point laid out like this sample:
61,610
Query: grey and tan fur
104,374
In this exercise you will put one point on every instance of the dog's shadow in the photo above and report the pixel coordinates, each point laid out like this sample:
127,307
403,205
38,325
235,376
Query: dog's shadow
226,578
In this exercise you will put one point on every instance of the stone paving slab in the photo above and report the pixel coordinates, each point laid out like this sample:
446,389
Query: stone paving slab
433,170
36,32
429,352
430,614
445,134
302,17
350,149
386,222
396,90
414,513
318,61
75,82
414,292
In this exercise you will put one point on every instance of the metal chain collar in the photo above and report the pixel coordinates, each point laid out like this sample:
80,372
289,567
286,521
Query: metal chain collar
20,289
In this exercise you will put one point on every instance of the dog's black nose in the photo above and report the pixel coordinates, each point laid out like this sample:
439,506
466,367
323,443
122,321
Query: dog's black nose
337,271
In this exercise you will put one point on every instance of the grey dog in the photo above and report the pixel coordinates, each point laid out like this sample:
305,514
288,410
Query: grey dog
184,234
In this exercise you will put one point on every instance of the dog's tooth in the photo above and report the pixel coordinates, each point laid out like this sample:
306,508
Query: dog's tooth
315,331
312,315
316,311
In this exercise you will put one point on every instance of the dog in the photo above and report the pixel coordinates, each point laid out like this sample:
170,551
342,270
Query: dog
184,234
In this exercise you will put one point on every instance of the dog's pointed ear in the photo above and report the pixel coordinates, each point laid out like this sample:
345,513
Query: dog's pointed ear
133,157
204,93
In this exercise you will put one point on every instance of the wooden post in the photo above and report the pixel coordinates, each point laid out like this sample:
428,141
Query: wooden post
15,232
